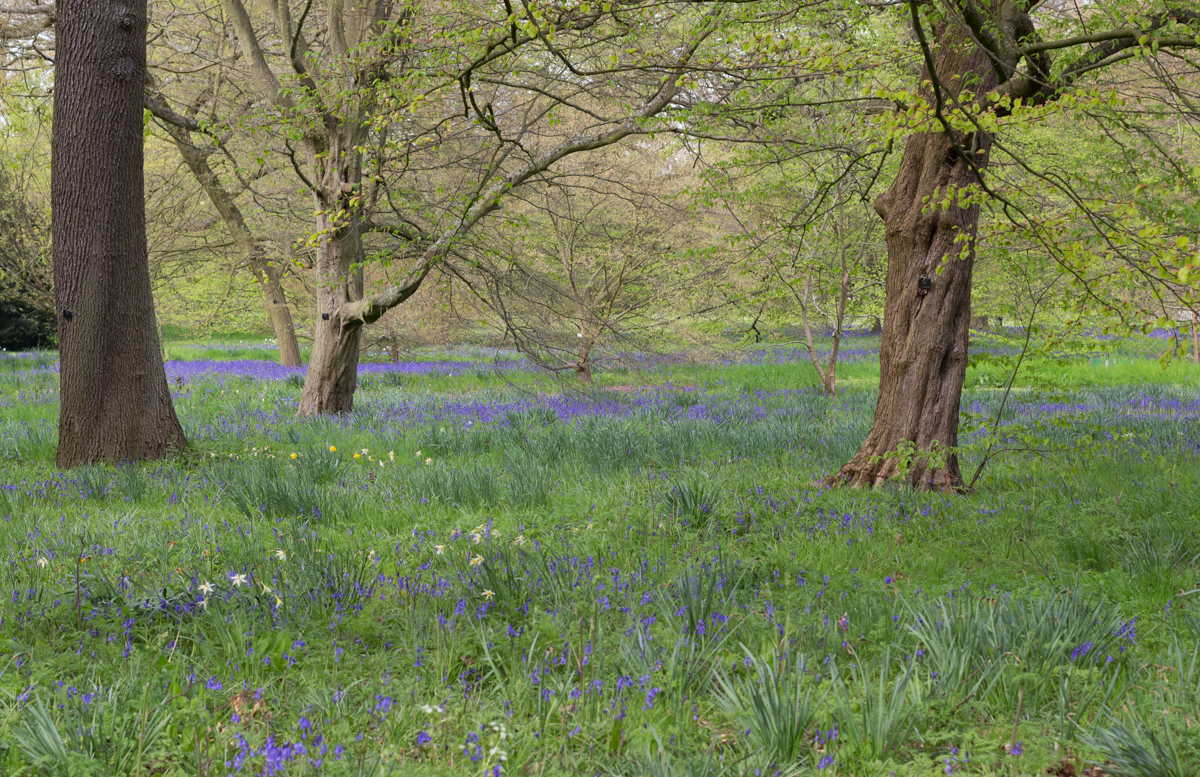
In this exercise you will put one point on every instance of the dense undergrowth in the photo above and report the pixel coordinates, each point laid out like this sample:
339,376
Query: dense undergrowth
482,573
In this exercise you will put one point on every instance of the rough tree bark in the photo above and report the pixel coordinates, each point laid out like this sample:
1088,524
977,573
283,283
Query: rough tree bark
115,403
923,351
333,366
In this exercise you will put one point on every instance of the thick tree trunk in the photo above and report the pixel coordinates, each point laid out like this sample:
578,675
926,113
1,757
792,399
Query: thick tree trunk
927,308
115,403
333,367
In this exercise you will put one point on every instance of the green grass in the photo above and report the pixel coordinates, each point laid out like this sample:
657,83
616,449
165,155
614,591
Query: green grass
679,553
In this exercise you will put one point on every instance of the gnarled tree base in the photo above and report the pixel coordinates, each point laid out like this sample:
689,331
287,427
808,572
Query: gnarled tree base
867,470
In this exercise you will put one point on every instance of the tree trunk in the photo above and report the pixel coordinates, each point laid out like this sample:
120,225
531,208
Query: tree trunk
268,276
333,367
115,403
394,347
923,349
275,300
583,362
1195,338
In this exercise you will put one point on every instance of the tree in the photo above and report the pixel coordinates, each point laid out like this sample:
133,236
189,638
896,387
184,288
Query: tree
115,403
384,104
586,259
196,155
26,274
809,242
984,61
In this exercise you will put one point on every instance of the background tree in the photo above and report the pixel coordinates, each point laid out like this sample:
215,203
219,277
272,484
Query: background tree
809,243
26,274
410,97
585,259
114,400
197,150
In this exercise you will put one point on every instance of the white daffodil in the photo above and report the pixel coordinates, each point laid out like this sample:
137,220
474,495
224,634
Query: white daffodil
238,580
280,554
43,562
207,588
488,594
477,561
439,549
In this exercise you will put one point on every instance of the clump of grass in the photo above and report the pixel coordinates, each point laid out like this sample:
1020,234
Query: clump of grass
529,483
93,481
692,498
1155,551
775,705
1135,749
472,485
997,647
879,708
131,483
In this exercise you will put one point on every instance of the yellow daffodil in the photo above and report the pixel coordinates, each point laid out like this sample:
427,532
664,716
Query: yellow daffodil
333,449
294,455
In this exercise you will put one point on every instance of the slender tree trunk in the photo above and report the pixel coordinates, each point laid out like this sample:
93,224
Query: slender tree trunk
275,301
267,275
115,403
826,378
923,352
1195,338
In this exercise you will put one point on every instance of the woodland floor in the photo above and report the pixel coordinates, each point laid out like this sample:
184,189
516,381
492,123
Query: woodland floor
485,571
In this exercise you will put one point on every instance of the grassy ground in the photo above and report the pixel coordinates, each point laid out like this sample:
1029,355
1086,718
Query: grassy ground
486,569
